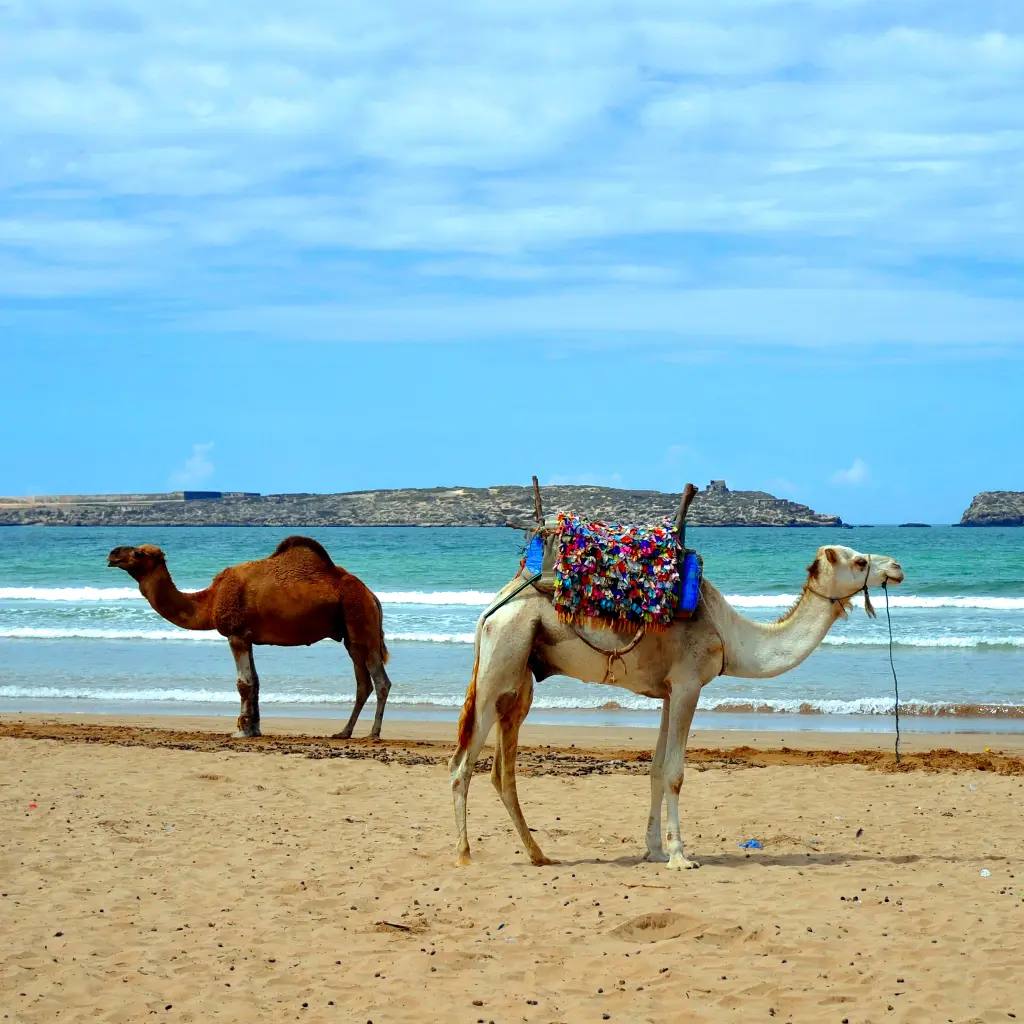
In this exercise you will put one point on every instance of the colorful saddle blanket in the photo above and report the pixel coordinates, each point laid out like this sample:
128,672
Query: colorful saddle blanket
622,576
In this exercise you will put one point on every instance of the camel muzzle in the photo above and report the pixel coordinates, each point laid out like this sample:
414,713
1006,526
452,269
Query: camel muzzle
118,558
894,574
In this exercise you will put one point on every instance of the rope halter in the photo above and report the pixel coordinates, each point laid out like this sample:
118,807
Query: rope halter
869,608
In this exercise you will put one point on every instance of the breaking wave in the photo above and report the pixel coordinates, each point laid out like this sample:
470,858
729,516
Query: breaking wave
70,594
482,598
964,642
895,601
859,706
192,636
432,638
625,702
473,598
88,633
186,635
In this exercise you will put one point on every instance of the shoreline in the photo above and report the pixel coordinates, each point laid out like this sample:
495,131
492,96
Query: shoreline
400,732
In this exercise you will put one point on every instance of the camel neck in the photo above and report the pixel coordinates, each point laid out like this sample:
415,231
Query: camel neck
185,610
758,650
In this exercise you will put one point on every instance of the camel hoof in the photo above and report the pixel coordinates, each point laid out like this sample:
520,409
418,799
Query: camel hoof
656,856
682,864
463,861
242,734
543,862
341,736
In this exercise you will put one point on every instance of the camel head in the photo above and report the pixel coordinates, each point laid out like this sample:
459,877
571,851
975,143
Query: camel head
137,562
838,573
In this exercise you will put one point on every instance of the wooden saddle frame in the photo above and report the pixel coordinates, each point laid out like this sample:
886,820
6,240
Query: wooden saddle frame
539,529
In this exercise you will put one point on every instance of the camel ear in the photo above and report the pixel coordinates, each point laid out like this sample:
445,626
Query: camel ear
830,554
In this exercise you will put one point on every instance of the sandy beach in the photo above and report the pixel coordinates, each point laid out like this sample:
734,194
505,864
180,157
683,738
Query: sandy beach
153,868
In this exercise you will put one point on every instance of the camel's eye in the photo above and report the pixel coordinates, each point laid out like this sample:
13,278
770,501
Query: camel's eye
861,563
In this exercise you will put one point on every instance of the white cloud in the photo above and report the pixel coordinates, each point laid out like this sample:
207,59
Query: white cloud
198,467
857,473
520,148
745,315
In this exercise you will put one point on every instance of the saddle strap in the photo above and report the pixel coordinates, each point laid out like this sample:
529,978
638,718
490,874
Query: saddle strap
615,655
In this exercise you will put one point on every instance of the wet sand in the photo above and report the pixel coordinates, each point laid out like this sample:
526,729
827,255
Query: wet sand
172,873
597,738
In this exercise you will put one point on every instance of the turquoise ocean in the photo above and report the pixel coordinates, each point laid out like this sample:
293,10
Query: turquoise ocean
75,636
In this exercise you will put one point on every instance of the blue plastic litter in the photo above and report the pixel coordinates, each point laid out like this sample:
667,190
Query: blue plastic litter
750,844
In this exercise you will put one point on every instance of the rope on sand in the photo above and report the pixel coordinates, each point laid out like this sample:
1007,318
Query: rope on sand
892,665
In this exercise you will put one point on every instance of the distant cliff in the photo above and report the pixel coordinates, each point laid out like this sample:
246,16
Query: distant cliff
716,505
995,508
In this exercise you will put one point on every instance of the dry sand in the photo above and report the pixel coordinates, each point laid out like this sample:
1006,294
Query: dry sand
177,875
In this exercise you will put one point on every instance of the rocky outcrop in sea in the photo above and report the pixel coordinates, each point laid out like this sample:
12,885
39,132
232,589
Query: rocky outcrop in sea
995,508
716,505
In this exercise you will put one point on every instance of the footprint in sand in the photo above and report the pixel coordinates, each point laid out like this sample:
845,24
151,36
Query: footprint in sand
659,926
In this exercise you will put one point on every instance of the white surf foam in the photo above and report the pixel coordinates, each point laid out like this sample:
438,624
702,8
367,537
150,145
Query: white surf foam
925,641
482,598
622,701
187,635
857,706
785,705
472,598
895,601
176,694
70,594
224,695
432,638
89,633
995,604
190,636
796,705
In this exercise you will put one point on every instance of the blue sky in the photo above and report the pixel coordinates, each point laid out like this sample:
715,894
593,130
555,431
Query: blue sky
392,244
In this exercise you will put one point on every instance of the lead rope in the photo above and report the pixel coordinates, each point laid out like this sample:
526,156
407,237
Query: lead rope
892,665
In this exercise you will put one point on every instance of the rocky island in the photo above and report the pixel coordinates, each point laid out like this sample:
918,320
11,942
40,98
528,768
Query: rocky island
716,505
995,508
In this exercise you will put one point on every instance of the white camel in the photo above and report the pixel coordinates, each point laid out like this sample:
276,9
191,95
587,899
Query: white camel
524,640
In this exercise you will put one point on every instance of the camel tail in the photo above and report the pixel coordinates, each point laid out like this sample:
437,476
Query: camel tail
384,655
467,720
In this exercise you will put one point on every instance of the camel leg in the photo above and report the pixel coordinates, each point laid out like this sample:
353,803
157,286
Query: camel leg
382,687
497,769
509,721
248,688
497,676
461,768
363,689
655,849
681,705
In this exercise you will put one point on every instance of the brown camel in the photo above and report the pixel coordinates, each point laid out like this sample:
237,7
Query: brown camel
296,596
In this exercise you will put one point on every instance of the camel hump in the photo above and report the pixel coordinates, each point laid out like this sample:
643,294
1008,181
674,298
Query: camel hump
303,542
